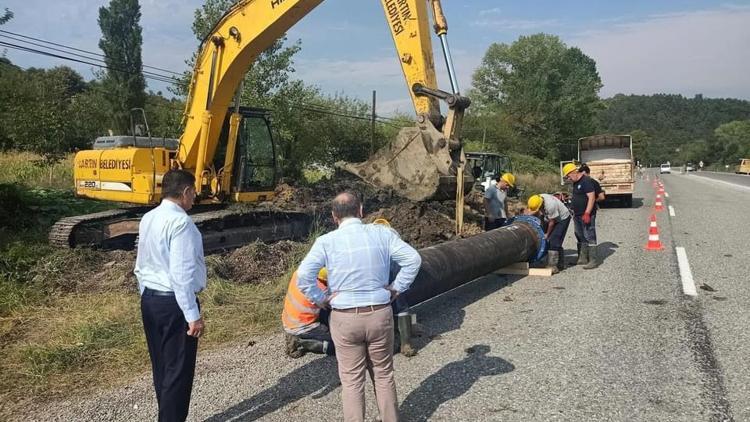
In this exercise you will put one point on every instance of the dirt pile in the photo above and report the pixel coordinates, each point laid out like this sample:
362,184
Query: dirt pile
258,262
85,270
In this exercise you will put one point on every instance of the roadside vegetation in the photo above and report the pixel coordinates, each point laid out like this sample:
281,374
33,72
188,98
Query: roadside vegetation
70,319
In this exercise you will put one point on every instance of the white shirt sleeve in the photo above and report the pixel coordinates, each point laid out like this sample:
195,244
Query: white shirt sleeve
307,273
184,271
408,259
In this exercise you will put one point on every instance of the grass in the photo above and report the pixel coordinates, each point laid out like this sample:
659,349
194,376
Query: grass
68,344
30,170
538,183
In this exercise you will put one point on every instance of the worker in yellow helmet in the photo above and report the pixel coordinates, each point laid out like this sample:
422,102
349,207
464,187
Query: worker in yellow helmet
557,218
495,201
584,215
306,324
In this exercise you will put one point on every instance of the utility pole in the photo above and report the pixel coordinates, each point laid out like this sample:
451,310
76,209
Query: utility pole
484,135
372,126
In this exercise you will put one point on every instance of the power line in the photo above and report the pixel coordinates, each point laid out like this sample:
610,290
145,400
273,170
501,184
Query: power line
99,65
316,108
81,50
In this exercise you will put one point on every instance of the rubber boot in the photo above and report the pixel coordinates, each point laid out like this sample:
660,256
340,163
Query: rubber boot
552,258
313,346
292,346
583,254
593,258
404,332
561,260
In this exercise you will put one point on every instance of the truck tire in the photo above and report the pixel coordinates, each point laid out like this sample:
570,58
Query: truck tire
627,201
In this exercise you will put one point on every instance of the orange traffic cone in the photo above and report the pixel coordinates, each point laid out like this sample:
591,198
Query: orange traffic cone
654,244
658,206
652,228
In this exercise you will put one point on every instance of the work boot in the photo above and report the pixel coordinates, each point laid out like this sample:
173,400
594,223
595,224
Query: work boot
404,333
583,254
593,258
292,346
561,260
552,261
313,346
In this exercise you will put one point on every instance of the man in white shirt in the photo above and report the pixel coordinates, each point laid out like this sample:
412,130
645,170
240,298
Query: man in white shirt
170,269
358,258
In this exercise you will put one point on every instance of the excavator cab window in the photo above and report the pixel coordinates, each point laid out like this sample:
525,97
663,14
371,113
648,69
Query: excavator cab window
255,160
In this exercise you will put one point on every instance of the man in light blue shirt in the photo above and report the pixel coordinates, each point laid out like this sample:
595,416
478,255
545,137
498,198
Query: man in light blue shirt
358,259
170,269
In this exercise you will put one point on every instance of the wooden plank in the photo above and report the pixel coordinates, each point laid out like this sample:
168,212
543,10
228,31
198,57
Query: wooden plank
538,272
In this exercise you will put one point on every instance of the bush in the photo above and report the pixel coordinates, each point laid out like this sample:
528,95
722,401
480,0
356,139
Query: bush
527,164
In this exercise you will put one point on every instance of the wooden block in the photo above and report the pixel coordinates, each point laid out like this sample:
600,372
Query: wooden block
516,269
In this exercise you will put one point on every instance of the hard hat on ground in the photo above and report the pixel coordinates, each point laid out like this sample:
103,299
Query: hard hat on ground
382,221
509,178
535,202
569,168
323,274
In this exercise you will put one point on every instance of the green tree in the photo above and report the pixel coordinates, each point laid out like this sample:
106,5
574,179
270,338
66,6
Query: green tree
733,139
546,91
6,16
121,43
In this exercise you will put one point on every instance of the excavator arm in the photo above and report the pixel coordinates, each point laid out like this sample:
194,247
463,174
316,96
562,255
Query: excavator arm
251,26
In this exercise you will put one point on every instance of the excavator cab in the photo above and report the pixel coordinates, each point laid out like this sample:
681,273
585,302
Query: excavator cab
253,173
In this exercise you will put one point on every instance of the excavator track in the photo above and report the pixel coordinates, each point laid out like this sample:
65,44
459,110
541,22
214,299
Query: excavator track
222,229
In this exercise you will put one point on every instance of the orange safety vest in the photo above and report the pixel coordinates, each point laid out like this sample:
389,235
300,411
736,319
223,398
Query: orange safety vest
300,314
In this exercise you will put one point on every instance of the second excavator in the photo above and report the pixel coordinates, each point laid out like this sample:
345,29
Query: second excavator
231,151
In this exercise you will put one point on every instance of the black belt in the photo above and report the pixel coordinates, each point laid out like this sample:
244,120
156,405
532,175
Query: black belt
152,292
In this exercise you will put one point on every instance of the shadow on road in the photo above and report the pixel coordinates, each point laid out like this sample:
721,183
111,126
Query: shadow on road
316,379
452,381
446,313
607,249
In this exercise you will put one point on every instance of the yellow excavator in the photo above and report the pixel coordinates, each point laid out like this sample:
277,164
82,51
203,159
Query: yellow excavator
230,148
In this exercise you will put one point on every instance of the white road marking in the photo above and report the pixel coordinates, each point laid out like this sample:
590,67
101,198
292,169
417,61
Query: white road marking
688,285
666,194
671,211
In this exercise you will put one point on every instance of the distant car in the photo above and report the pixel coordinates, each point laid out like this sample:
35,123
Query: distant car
690,167
665,168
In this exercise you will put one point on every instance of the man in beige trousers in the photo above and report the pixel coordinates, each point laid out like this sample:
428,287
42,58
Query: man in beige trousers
358,257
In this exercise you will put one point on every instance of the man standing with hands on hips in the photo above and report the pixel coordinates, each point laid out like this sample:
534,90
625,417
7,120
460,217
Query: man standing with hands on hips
170,269
584,215
358,258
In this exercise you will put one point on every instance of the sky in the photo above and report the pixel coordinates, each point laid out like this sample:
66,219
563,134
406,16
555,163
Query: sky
683,47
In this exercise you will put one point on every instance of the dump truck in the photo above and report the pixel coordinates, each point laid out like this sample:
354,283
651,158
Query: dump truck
610,158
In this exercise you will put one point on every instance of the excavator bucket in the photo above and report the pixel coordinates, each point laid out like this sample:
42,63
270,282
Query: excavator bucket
417,165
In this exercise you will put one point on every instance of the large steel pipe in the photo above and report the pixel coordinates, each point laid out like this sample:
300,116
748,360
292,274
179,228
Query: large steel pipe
451,264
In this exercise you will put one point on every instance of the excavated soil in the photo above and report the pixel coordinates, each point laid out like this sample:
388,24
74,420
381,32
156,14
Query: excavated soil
421,224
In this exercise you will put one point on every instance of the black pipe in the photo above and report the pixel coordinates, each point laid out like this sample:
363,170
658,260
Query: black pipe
451,264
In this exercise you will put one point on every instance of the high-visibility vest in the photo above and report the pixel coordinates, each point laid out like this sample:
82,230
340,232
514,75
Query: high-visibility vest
299,315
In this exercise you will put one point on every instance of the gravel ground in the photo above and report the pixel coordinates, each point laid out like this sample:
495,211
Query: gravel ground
618,343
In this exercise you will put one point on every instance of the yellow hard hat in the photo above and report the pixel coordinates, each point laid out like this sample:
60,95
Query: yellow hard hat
568,168
535,202
509,179
382,221
323,274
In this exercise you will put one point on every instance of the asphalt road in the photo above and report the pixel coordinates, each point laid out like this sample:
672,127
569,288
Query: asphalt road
737,179
620,343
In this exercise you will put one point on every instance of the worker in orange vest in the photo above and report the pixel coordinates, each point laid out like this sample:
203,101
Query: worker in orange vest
305,324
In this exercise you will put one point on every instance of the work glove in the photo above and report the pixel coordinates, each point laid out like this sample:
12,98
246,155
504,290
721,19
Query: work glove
586,218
